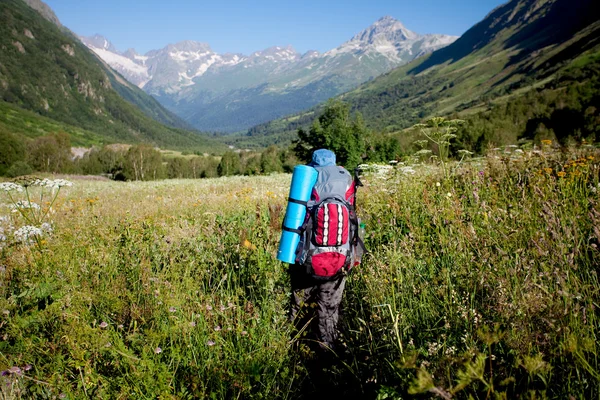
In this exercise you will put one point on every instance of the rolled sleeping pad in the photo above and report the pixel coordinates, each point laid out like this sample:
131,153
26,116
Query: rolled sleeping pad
303,181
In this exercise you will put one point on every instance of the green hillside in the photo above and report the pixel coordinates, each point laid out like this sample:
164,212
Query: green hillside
50,73
522,57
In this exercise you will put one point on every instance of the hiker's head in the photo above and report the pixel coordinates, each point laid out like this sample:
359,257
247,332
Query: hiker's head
323,158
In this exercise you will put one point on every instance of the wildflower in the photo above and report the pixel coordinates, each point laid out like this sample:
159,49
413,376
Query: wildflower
27,367
192,324
244,333
15,370
62,396
438,184
561,174
433,348
52,184
210,343
24,205
448,195
208,307
6,312
548,170
547,142
217,328
172,309
10,186
157,350
26,233
46,227
103,324
108,344
248,245
450,351
120,326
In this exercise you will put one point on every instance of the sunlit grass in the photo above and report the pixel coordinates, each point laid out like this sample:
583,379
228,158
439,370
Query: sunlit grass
482,284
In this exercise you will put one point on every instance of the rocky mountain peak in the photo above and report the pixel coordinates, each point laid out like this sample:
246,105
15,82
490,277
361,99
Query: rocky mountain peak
386,28
99,42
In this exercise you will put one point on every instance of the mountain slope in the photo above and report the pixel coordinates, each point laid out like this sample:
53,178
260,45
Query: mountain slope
230,92
521,46
51,73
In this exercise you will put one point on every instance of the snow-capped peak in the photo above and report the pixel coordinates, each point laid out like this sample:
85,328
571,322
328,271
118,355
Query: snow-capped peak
98,41
386,28
389,38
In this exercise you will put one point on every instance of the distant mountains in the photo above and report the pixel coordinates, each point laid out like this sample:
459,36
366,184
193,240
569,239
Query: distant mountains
50,82
231,92
526,61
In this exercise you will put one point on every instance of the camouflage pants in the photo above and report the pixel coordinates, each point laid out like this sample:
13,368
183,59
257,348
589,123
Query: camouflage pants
310,297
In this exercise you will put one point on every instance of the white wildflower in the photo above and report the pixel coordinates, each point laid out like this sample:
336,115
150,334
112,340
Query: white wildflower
10,186
21,204
52,184
450,351
62,182
26,233
46,227
433,348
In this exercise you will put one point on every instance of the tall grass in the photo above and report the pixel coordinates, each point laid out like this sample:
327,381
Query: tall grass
484,285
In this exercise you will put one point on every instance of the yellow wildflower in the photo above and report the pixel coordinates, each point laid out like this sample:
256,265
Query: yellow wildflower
546,141
548,170
246,243
561,174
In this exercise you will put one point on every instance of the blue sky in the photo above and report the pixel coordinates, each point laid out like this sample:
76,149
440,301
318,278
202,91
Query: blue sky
240,26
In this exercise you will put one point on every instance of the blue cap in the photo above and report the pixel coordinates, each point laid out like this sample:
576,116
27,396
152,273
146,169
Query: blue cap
323,158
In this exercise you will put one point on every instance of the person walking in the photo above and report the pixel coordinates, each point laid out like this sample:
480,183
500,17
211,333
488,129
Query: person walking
329,247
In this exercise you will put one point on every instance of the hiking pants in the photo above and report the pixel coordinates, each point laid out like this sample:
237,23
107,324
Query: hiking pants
310,297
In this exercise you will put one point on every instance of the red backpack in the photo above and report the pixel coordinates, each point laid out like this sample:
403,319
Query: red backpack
329,240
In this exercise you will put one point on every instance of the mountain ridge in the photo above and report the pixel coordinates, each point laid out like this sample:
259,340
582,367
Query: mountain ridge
212,91
520,46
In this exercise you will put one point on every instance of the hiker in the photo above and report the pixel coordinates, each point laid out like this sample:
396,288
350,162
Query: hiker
329,247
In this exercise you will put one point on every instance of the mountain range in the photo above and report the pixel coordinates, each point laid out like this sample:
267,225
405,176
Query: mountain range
526,61
232,92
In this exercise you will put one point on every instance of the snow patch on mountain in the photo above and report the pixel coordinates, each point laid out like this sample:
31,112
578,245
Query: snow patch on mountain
135,73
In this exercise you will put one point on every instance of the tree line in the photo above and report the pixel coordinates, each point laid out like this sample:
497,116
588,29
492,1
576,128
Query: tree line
335,129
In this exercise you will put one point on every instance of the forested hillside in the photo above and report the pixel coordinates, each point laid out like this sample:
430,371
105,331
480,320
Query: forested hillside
49,72
527,60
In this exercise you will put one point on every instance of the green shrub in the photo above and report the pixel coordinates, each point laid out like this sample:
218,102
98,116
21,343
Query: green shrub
18,168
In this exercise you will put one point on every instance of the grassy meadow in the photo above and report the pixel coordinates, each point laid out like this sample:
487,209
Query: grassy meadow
483,285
